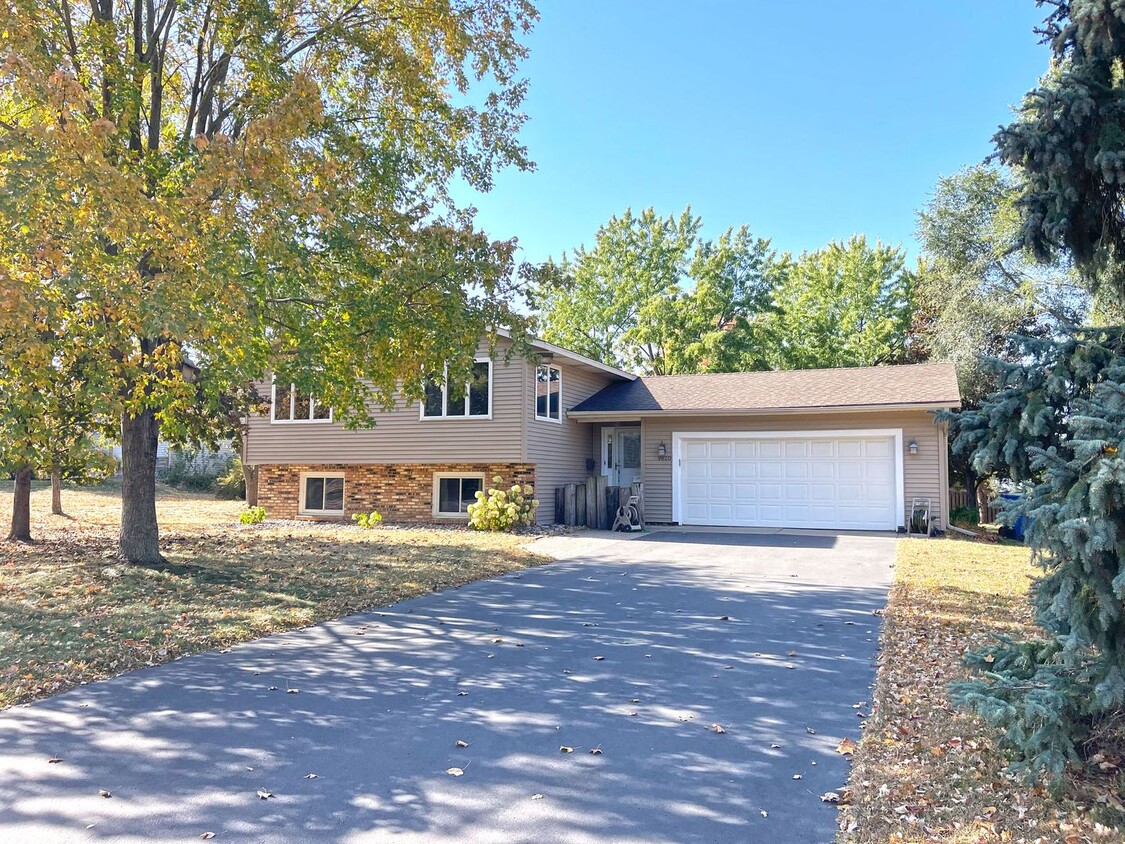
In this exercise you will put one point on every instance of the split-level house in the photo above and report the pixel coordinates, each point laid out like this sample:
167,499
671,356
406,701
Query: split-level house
849,448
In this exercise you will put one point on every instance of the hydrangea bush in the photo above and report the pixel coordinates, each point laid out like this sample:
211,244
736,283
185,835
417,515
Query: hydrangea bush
503,509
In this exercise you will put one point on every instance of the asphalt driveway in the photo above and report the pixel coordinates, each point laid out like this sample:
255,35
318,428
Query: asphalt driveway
633,648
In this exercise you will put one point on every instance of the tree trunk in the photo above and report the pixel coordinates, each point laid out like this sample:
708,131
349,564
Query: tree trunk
140,536
21,507
56,493
250,474
981,491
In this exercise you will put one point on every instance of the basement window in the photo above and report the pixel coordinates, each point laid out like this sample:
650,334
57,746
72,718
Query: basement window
454,492
322,494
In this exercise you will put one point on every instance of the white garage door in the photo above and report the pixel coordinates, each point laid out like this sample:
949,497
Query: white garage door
806,481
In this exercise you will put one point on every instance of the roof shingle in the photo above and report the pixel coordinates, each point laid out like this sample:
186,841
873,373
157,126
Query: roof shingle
913,384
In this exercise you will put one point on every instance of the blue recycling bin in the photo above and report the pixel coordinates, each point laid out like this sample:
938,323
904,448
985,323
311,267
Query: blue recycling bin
1021,525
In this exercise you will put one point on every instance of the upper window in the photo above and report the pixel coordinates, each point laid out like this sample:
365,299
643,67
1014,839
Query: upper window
472,398
548,393
322,495
291,405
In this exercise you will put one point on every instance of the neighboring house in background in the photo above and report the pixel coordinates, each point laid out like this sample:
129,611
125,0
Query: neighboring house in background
834,448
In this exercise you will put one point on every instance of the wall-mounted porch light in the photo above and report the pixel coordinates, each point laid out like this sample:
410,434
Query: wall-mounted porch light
913,447
662,450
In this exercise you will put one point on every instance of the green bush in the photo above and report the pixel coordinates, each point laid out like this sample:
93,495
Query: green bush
964,516
503,509
252,515
182,474
232,484
368,520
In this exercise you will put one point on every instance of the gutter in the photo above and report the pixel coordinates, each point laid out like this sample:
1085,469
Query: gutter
608,415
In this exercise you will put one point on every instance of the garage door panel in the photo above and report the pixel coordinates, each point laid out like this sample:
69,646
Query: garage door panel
814,481
695,450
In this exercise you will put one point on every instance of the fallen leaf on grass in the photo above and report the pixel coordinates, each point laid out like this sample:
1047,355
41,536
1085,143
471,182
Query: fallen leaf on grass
846,746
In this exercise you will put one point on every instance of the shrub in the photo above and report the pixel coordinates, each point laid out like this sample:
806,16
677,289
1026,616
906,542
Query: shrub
964,516
368,520
183,473
252,516
232,484
503,509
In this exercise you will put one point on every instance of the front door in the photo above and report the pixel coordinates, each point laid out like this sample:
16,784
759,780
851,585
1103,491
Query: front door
621,455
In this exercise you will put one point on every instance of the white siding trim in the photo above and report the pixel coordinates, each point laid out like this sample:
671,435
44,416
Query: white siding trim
896,433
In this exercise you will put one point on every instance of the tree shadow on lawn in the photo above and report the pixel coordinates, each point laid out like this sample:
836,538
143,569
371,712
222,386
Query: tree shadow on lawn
384,696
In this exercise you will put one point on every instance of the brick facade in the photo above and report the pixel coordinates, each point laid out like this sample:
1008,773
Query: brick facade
402,492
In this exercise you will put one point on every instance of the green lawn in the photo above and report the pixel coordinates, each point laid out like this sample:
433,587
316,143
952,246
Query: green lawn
925,772
70,612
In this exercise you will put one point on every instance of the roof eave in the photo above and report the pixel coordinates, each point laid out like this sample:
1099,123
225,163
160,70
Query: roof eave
574,357
595,415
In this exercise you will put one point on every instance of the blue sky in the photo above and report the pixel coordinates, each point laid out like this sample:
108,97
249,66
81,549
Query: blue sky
808,121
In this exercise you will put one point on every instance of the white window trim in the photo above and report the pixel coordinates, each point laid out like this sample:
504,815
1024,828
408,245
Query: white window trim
444,388
303,511
535,398
436,499
896,433
292,400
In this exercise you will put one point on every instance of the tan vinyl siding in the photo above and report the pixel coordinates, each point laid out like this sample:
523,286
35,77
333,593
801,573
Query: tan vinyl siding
559,451
924,473
400,436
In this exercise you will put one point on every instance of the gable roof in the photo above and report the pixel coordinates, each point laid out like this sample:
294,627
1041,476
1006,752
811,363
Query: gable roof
925,385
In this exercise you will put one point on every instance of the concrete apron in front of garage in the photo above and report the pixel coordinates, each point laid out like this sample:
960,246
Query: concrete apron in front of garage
630,647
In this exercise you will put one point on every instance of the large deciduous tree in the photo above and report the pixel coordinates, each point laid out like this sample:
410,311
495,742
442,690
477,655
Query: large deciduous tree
615,302
975,288
848,304
256,187
1058,421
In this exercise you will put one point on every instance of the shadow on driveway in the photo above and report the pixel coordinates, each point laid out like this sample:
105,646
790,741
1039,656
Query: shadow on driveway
510,666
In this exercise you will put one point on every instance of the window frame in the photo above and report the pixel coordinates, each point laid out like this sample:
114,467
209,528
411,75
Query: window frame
289,420
302,510
435,501
422,415
535,397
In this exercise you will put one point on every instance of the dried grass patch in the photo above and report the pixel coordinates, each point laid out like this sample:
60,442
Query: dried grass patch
71,613
926,772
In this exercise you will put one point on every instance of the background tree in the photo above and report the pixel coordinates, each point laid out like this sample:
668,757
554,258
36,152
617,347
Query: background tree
1058,423
616,302
719,325
975,288
848,304
257,187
